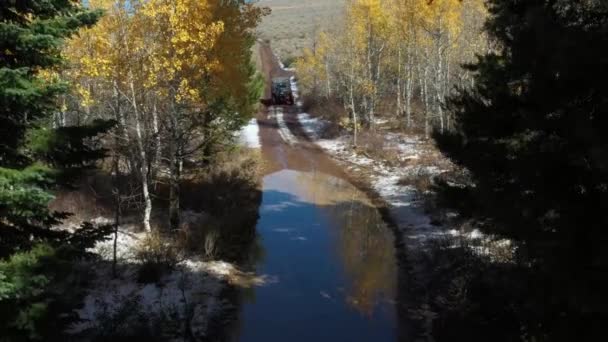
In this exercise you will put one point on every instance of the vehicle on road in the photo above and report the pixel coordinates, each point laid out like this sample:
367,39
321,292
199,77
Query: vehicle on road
281,91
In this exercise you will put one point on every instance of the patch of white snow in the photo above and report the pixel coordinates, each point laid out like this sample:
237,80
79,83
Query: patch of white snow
249,135
284,131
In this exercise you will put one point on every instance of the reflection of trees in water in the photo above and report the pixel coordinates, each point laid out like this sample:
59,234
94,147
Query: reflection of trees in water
366,246
238,295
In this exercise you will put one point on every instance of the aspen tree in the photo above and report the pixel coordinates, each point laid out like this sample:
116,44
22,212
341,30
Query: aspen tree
176,76
117,61
410,51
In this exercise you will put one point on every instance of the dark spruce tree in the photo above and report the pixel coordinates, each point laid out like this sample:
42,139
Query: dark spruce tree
34,159
533,134
34,156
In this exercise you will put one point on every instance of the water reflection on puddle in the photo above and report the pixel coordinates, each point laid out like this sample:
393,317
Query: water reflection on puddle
333,261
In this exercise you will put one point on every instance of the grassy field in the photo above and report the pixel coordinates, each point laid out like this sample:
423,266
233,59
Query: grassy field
292,23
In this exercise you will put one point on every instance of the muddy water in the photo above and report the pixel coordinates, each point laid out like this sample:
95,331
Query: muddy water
330,264
328,258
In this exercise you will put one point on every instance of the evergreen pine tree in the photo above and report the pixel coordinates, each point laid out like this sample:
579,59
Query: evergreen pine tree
533,129
532,133
32,153
34,158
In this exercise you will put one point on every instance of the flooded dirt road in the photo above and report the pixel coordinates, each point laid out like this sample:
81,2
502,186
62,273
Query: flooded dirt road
329,262
328,257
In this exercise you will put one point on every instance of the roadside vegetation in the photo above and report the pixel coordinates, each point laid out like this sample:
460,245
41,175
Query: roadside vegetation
292,24
396,60
127,202
506,101
119,166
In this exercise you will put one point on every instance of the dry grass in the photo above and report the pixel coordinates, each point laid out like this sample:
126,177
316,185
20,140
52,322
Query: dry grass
91,197
330,110
430,156
421,177
219,202
223,187
158,255
228,192
291,25
198,234
421,180
374,145
83,203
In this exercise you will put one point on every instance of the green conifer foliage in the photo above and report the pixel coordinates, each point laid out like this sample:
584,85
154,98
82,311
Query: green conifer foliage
533,129
35,286
533,134
32,152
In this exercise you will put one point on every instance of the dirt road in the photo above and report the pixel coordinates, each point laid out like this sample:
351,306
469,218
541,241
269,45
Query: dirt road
296,154
333,260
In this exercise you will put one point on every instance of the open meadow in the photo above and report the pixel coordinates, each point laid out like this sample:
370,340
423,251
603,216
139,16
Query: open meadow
292,23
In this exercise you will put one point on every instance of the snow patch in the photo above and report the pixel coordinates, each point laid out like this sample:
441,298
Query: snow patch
284,131
333,146
294,87
192,284
189,284
126,246
249,135
282,65
313,127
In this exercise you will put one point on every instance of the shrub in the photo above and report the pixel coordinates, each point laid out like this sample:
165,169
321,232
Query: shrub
421,179
288,61
375,146
23,287
198,233
157,256
211,197
37,288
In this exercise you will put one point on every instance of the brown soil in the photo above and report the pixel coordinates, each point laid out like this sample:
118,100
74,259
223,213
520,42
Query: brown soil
277,154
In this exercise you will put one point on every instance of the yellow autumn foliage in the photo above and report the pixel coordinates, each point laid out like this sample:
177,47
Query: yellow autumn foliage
181,50
409,52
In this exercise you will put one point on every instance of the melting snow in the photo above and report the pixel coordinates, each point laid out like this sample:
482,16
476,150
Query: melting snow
312,126
249,135
284,131
406,210
282,65
192,282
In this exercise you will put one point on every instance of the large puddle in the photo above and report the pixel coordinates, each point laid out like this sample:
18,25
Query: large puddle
330,262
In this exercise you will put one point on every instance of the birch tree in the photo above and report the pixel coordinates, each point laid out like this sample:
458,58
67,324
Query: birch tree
110,61
175,75
407,51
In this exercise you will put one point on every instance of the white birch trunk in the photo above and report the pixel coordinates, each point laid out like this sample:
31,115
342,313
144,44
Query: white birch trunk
399,80
143,163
